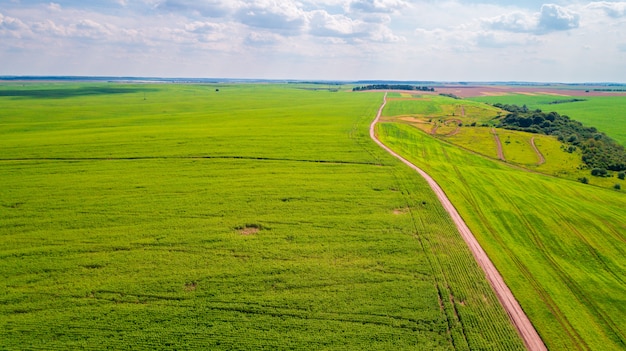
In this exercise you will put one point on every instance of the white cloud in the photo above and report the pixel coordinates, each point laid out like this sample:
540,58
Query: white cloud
203,27
54,7
323,24
378,6
263,39
207,8
551,18
326,25
613,9
284,16
513,22
555,18
11,24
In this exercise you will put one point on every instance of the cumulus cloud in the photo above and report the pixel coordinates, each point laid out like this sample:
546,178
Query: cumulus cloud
551,18
11,24
286,17
323,24
612,9
556,18
326,25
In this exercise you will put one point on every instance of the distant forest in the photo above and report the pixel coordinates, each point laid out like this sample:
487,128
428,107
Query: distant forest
393,87
599,152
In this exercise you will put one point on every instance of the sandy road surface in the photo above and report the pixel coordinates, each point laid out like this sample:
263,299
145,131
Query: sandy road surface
518,317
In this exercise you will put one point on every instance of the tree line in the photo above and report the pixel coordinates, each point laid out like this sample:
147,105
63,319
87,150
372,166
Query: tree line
393,87
599,152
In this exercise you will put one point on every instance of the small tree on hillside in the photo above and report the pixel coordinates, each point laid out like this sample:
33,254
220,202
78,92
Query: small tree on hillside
599,172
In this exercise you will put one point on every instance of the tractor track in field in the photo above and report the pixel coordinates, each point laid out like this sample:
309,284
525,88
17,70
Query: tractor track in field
529,335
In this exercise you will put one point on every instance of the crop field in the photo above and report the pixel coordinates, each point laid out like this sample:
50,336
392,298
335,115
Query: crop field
237,217
558,243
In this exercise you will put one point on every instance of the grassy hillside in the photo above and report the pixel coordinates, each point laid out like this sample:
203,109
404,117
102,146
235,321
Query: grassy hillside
181,217
607,113
559,244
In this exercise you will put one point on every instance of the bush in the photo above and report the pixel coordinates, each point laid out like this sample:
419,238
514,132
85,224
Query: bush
584,180
617,186
621,175
599,172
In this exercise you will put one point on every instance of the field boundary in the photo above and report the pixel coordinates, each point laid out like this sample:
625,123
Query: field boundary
529,335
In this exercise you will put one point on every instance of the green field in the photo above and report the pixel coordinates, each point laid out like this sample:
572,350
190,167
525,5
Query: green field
607,113
470,125
559,244
253,217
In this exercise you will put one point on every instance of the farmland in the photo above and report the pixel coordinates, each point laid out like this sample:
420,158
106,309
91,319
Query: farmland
558,243
227,217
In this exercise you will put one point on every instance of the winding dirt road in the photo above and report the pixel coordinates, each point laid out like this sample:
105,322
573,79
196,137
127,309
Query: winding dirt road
542,159
518,317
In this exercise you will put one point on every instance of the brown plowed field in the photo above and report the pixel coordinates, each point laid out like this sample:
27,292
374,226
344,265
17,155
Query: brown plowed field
474,91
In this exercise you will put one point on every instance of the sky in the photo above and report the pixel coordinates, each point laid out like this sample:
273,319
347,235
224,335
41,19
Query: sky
407,40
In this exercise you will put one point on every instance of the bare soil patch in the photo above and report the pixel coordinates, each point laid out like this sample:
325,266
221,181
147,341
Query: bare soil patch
191,286
401,211
249,229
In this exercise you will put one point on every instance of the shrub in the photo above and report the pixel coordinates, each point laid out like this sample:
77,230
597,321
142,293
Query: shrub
599,172
617,186
621,175
584,180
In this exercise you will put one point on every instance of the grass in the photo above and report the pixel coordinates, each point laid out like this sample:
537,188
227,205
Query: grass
603,112
122,219
559,244
467,124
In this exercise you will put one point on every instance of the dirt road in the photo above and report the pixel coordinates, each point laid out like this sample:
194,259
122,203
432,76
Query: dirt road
518,317
498,144
542,159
